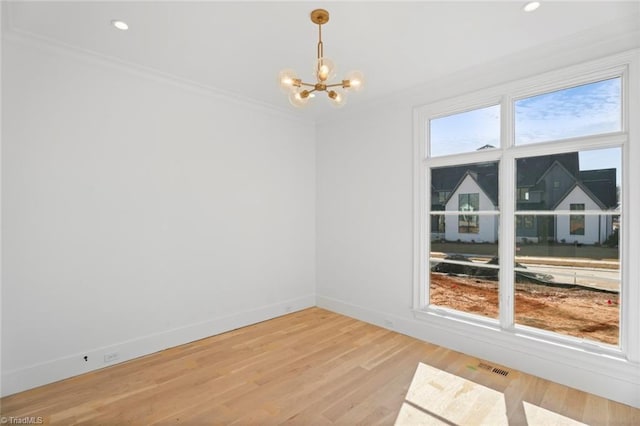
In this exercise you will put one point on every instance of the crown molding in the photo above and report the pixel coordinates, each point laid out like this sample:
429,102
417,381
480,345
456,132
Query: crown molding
57,47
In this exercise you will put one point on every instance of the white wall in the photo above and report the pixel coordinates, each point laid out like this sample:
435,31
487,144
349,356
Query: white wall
365,221
139,213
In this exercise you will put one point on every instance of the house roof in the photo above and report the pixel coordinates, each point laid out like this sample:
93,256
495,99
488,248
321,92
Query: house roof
585,190
449,178
484,187
599,184
602,184
531,169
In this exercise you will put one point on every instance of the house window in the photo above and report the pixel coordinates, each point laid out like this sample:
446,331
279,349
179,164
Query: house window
527,222
544,246
523,194
442,196
576,221
468,223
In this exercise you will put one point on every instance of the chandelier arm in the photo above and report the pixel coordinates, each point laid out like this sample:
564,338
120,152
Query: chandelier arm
336,85
302,83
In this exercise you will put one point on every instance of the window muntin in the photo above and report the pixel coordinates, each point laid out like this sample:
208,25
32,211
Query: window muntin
584,110
468,131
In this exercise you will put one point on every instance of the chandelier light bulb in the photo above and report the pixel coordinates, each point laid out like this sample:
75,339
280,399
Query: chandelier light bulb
354,81
338,99
325,69
288,80
323,73
299,99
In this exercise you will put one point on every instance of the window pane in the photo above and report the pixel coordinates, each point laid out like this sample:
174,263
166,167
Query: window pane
464,246
465,132
589,109
567,277
585,180
569,287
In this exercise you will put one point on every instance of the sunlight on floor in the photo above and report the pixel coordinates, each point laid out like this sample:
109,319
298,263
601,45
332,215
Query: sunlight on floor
540,416
436,397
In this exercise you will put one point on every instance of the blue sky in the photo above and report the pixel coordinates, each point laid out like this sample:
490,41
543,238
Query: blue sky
589,109
465,132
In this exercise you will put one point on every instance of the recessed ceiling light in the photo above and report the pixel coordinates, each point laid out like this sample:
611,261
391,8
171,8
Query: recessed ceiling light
121,25
531,6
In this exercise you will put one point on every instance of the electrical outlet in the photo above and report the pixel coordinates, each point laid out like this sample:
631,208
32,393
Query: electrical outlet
110,357
388,323
287,308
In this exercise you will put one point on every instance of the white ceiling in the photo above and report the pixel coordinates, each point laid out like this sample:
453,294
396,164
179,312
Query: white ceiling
239,47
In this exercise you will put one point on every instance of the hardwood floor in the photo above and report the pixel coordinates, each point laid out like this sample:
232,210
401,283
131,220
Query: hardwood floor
312,367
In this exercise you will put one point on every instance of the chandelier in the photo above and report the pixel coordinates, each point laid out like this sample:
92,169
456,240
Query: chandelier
324,71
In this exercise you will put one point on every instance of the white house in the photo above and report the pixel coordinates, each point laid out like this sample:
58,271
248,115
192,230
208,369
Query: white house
580,228
469,196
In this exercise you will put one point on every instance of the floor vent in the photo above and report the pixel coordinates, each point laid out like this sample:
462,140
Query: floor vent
493,369
500,371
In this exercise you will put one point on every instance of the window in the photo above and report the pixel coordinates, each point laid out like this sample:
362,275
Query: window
545,262
468,223
576,221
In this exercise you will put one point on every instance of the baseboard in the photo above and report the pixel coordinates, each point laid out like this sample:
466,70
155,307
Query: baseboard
612,378
41,374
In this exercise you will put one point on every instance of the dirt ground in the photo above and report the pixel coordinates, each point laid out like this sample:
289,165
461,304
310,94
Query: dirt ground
576,312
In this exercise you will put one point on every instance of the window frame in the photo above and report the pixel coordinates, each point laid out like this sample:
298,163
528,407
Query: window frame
623,65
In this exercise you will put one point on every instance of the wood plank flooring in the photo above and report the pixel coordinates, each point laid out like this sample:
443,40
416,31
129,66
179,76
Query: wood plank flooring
312,367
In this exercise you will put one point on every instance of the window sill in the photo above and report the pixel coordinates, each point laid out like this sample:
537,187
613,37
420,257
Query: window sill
543,344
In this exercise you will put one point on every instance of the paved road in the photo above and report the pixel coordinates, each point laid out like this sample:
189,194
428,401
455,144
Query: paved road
599,274
606,279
